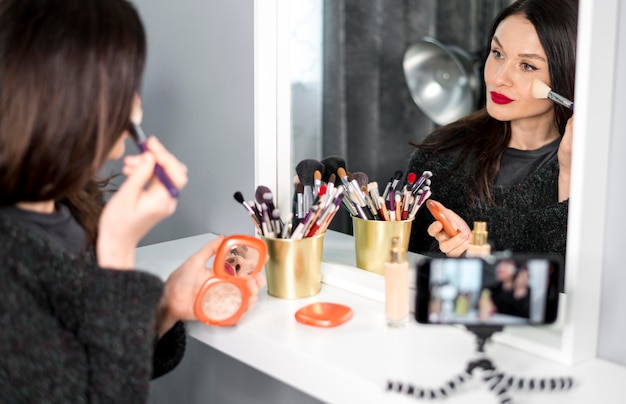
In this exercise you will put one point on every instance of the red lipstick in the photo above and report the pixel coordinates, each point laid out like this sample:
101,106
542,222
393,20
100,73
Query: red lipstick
500,98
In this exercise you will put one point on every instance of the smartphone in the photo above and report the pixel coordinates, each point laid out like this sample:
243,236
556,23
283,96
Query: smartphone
513,290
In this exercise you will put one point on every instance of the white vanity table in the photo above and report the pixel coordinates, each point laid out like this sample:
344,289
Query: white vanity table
351,363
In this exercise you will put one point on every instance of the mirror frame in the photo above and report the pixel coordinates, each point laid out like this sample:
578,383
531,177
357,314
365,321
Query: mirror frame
595,67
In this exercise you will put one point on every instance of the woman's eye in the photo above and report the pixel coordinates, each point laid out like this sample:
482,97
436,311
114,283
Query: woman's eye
497,54
529,68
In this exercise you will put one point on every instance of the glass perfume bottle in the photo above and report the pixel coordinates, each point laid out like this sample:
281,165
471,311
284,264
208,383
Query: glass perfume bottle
479,247
397,285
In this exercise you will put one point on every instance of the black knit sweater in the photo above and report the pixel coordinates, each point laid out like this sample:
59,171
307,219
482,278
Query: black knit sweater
74,332
526,218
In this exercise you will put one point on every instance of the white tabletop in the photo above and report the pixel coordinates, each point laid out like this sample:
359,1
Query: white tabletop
352,363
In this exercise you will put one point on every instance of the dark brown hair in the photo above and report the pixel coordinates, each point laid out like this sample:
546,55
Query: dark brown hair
68,73
482,139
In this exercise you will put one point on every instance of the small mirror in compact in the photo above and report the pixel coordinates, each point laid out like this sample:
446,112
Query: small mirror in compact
242,261
223,298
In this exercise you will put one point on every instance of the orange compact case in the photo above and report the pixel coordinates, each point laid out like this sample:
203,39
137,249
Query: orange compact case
324,314
223,298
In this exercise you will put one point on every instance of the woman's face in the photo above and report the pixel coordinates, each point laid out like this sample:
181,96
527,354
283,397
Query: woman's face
118,149
505,271
515,60
242,261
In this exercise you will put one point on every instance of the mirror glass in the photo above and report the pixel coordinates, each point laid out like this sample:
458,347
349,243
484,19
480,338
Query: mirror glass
349,96
241,261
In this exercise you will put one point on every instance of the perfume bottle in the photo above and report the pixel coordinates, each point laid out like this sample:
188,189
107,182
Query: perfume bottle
479,247
397,285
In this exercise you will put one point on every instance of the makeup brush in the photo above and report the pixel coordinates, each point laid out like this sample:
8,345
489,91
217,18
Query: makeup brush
239,198
260,196
331,165
317,182
361,178
306,171
541,90
393,182
140,139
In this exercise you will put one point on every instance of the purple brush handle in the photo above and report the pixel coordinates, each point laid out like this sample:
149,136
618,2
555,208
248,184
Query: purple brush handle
161,174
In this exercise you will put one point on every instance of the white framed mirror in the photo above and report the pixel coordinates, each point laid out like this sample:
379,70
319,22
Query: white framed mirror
575,339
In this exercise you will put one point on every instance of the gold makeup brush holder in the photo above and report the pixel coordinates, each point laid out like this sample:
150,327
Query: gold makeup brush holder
372,241
294,267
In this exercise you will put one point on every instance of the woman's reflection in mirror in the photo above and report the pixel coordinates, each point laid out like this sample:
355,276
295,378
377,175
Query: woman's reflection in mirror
508,164
241,261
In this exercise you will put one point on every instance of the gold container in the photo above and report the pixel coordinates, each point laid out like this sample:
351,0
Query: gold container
372,241
294,267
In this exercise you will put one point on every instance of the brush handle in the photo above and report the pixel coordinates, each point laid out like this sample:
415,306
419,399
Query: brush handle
559,99
161,174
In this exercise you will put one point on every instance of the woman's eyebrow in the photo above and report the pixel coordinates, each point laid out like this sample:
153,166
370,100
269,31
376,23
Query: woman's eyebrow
521,55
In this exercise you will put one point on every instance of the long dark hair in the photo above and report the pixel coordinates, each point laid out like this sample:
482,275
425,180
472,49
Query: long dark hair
68,73
482,139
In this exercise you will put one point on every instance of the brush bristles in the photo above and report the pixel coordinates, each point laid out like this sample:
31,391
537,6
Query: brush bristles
238,197
540,89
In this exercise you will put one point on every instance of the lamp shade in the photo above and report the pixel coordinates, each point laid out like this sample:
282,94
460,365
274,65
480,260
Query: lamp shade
443,80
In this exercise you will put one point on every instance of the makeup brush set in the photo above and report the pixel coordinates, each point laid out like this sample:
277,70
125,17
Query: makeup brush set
321,187
314,206
400,200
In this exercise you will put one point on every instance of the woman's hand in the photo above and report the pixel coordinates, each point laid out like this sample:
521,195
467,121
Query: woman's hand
565,160
183,285
451,246
255,283
137,206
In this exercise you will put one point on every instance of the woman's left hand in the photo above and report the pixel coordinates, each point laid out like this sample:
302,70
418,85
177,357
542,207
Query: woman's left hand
451,246
183,285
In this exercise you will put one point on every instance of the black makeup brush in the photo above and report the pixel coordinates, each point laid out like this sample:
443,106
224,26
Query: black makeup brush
306,171
332,164
253,214
393,182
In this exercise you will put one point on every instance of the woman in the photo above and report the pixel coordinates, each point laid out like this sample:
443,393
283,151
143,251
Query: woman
78,324
509,163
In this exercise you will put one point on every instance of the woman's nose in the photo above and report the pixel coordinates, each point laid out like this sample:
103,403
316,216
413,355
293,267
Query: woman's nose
502,75
234,261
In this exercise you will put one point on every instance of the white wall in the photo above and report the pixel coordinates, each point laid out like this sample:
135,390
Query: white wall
612,331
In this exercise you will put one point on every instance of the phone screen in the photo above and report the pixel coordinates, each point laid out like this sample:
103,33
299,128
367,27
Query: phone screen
473,291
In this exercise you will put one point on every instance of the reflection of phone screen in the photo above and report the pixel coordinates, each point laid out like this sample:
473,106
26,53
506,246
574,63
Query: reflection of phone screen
473,291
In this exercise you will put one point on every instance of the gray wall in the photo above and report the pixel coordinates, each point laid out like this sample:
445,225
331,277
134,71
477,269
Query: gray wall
612,332
198,99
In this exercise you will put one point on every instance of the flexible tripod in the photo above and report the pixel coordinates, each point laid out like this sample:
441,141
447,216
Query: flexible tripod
499,383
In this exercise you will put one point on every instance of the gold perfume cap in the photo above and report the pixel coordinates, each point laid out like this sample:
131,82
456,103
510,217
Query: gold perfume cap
479,233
